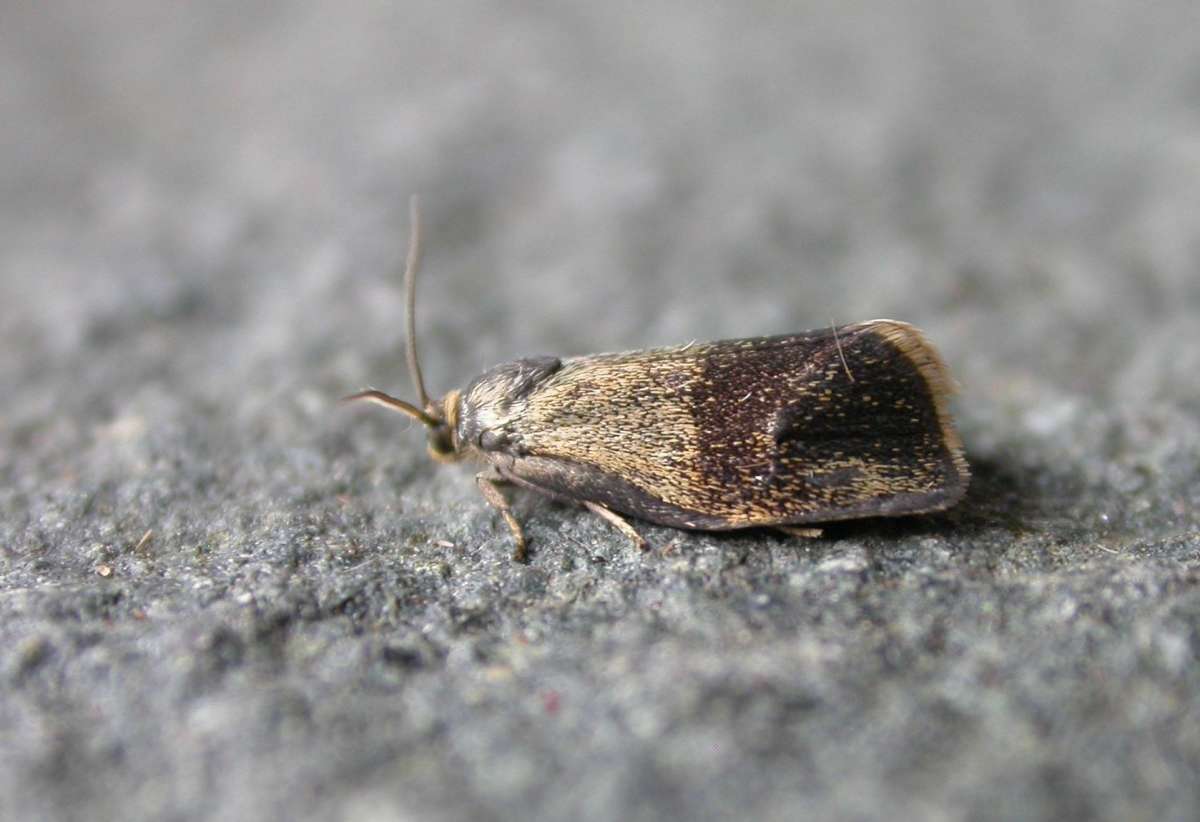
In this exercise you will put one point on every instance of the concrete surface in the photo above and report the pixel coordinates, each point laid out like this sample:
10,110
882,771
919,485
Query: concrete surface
203,212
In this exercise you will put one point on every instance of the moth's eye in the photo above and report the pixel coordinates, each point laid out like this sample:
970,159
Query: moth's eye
440,442
492,440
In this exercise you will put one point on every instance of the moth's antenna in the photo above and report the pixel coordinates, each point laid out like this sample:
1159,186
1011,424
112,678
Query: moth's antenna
388,401
410,299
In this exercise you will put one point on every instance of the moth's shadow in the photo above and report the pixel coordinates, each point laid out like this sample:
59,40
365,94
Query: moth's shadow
1002,496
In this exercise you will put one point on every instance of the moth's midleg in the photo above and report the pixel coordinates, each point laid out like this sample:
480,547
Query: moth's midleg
487,482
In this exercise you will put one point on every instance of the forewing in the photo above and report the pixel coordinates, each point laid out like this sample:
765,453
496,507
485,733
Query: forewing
813,427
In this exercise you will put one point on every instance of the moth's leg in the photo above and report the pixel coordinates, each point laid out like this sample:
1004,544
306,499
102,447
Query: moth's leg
619,522
487,482
799,531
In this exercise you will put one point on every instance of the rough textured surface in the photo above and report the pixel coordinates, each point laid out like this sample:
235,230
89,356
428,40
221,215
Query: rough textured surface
203,209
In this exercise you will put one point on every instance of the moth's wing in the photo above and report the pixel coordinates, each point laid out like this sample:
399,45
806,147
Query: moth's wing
856,425
828,425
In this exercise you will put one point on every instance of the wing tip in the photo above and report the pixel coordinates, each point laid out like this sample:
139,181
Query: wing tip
913,344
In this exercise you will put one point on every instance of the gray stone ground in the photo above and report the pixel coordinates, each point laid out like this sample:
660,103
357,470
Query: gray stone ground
203,210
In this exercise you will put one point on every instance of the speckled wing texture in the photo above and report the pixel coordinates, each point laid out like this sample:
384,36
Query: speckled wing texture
812,427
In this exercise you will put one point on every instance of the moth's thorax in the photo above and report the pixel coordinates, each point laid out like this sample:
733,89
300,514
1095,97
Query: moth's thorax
492,406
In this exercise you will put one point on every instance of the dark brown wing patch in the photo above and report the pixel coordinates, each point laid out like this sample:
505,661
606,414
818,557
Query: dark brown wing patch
855,426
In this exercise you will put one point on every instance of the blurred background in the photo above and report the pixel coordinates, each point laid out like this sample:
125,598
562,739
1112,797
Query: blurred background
203,213
596,177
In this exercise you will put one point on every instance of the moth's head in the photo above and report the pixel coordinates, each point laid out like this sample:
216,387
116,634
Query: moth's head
439,418
443,437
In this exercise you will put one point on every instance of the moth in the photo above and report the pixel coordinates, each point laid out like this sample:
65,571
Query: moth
785,431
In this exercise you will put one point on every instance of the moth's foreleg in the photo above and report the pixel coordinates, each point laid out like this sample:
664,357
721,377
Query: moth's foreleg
619,522
487,482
